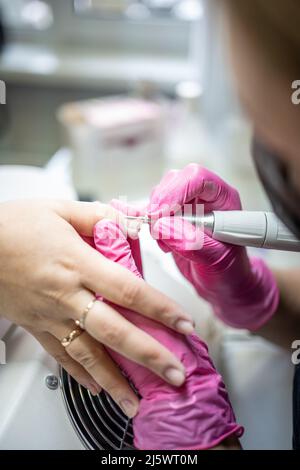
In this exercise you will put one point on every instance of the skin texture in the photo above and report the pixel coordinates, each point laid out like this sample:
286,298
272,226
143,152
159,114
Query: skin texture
265,93
47,278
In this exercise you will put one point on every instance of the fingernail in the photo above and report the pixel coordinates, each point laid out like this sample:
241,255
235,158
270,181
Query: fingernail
133,233
185,326
133,228
129,408
174,376
95,389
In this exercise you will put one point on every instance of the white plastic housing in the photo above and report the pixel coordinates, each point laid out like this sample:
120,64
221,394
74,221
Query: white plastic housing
253,228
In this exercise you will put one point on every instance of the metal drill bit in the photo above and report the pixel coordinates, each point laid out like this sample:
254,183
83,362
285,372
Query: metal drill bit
194,219
143,218
205,221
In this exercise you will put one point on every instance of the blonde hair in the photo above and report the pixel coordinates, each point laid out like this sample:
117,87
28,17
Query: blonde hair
275,26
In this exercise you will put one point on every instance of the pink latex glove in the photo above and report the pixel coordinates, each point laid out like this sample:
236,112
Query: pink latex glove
242,290
197,415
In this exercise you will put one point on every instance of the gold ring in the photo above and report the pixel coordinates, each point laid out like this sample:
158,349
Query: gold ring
67,340
82,319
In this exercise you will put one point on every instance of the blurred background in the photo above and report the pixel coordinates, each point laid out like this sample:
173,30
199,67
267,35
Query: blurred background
102,97
157,70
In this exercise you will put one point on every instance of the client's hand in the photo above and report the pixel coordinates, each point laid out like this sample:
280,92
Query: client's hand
48,276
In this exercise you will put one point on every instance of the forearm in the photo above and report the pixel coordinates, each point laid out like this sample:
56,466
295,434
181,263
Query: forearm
284,327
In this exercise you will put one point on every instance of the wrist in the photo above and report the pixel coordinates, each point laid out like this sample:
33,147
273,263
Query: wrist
255,303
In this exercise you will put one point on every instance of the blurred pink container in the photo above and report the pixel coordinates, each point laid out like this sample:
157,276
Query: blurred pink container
117,145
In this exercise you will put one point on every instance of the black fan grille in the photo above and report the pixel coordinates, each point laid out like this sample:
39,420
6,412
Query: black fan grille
98,421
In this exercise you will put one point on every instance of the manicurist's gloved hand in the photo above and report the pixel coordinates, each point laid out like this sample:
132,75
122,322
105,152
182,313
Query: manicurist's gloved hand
242,290
196,415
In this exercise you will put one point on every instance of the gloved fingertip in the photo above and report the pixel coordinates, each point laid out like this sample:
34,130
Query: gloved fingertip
133,232
106,231
111,242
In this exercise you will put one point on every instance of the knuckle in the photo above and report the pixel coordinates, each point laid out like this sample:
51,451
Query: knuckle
73,278
151,358
112,335
131,293
166,316
87,358
70,277
59,298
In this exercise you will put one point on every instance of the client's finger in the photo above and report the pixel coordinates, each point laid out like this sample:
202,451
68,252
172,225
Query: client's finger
91,356
118,285
58,352
84,215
